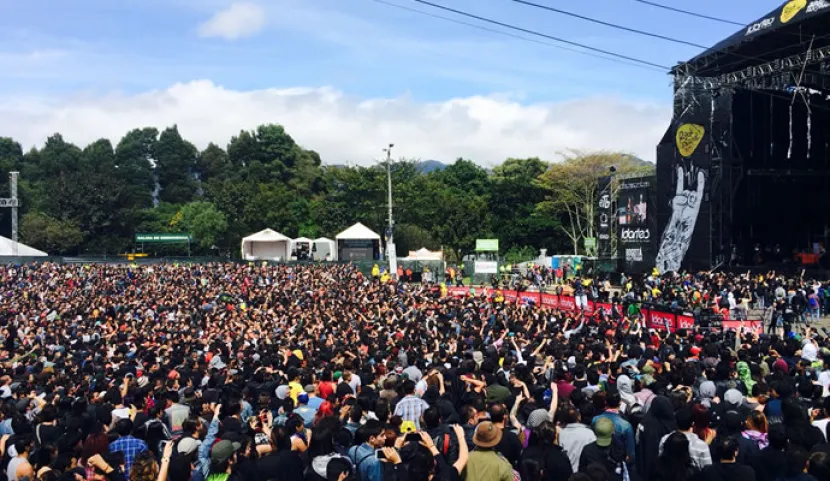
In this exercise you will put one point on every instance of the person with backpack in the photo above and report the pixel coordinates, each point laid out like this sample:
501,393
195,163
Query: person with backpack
369,437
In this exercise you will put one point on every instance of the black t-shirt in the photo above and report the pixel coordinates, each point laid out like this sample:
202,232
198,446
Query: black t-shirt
280,466
555,463
445,471
510,447
727,472
47,435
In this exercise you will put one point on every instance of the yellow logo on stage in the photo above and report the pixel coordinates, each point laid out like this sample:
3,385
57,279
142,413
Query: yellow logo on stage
688,138
791,9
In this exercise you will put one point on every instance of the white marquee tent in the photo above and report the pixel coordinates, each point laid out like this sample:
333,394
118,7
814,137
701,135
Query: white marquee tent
267,244
358,243
357,232
325,250
7,249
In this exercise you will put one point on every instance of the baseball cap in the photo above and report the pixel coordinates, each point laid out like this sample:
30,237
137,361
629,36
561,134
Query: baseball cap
537,417
188,445
223,450
309,388
604,430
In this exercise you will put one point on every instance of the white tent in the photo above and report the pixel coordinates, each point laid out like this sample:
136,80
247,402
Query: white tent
324,250
7,249
267,244
358,243
358,232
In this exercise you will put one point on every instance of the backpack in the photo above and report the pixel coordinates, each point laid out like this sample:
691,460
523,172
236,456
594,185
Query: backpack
447,444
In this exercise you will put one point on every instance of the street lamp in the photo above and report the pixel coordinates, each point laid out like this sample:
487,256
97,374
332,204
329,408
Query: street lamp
390,243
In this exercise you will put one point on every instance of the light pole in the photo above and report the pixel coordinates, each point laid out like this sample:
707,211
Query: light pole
390,242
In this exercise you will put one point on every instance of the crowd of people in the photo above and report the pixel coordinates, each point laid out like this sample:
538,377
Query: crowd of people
233,372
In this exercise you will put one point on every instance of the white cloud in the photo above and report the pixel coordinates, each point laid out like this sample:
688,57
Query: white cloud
237,21
486,129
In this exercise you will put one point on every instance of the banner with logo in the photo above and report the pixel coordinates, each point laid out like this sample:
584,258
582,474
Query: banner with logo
604,243
486,267
530,297
634,220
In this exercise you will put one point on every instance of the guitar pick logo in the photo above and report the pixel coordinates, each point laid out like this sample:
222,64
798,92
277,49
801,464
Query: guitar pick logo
688,137
791,9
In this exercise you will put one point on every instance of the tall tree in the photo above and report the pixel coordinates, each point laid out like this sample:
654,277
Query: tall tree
175,166
571,186
134,159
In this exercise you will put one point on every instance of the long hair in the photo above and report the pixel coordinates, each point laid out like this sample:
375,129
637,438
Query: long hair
701,420
144,467
675,461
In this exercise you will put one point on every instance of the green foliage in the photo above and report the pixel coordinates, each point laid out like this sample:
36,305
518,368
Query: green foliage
516,254
93,200
52,235
204,222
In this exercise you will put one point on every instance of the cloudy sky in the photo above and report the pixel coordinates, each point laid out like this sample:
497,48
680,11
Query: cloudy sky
346,77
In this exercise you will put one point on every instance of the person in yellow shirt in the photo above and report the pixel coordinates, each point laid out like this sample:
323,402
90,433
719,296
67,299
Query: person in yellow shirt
375,271
294,386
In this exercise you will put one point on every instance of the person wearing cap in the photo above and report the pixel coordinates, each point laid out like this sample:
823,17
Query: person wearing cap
304,410
622,428
314,401
598,451
484,463
223,461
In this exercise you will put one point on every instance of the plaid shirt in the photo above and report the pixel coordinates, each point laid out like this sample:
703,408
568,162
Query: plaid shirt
410,408
131,447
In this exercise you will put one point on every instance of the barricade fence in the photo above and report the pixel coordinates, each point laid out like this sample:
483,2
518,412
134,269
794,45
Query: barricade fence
656,317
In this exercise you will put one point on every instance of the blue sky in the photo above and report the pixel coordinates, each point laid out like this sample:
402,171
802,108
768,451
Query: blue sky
62,59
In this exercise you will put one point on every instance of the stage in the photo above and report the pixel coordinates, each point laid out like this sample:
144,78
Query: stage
743,172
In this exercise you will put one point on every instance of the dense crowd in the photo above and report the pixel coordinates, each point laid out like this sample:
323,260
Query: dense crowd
231,372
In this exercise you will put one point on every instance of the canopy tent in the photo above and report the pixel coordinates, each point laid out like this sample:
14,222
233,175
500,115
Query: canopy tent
324,250
266,244
358,243
790,29
7,249
424,254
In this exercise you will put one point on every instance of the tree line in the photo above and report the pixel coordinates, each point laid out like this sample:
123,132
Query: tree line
92,200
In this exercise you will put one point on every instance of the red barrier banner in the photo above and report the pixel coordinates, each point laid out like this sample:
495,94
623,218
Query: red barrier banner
529,297
458,291
550,300
685,322
588,308
658,320
755,326
510,296
603,307
567,303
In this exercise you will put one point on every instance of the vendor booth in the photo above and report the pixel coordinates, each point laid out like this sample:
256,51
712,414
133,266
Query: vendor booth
301,249
358,243
267,244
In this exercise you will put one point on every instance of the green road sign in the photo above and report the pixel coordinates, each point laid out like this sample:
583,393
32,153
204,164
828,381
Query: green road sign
162,238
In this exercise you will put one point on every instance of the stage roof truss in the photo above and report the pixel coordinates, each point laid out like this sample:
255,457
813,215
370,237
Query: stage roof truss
786,67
